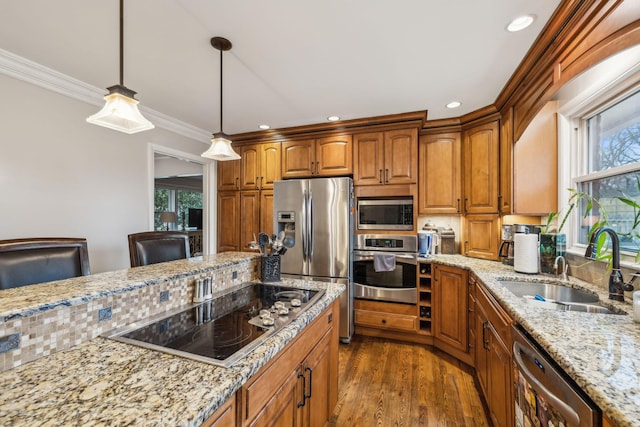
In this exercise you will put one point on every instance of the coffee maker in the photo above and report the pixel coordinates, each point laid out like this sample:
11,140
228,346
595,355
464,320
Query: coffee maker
506,246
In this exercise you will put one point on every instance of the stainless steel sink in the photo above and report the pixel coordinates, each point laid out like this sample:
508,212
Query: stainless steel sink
556,297
549,291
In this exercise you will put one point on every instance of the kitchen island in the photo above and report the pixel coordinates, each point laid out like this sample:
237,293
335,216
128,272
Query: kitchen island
104,382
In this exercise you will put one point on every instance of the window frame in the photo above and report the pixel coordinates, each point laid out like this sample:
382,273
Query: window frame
574,152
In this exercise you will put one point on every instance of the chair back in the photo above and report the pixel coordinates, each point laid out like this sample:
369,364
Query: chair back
38,260
152,247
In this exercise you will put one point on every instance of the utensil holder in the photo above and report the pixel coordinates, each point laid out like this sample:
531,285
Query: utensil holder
270,268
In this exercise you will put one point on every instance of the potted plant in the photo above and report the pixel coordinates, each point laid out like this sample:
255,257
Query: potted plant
553,241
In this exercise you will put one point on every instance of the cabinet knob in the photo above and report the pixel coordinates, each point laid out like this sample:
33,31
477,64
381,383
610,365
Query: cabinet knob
384,321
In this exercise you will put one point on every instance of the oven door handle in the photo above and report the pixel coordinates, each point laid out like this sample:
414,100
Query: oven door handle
567,412
367,256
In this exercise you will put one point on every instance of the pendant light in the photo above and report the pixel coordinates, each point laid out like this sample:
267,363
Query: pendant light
120,111
220,148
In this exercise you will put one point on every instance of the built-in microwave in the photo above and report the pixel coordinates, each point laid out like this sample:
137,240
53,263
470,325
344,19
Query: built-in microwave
385,214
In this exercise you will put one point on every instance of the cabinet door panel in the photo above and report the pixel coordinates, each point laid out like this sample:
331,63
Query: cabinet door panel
270,162
228,220
229,175
266,211
500,400
249,217
481,156
481,235
506,162
400,156
440,181
368,158
334,156
317,410
298,158
250,168
451,324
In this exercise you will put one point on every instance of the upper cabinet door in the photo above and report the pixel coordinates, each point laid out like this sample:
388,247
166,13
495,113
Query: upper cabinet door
298,158
440,186
250,177
229,175
481,168
269,165
334,156
401,156
368,154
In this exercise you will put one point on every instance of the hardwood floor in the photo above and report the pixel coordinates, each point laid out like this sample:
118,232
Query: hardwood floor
389,383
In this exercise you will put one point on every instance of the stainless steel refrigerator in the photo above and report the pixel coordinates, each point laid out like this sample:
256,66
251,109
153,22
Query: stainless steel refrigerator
317,214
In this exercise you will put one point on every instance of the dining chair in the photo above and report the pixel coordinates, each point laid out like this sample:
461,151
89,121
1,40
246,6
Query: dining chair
152,247
43,259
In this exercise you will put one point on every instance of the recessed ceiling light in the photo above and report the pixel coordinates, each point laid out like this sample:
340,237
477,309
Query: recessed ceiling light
520,23
264,127
454,104
333,118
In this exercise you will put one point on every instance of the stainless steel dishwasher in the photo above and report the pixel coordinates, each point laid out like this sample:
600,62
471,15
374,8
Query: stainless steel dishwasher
544,395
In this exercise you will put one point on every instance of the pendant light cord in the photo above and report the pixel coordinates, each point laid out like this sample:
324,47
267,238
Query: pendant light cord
121,43
221,131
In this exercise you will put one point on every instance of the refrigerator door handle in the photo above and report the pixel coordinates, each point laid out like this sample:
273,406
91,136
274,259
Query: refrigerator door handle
310,227
303,226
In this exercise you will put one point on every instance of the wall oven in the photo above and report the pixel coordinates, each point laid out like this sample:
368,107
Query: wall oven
385,214
384,267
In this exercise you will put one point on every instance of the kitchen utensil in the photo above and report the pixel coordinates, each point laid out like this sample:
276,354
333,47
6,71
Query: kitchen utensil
263,241
288,242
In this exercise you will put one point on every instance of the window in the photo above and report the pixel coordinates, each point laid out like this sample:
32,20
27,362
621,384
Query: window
175,200
612,168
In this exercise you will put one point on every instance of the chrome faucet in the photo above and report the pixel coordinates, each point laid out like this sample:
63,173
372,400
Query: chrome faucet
564,267
616,281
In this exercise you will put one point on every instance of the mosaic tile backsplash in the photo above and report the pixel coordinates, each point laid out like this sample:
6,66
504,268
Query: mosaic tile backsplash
39,320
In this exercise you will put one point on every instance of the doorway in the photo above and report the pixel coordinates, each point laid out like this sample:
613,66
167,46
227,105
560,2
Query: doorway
179,198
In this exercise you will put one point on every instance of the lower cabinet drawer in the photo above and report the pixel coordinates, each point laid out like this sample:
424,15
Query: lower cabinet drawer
373,319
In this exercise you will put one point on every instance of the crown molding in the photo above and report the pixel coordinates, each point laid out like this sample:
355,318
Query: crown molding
36,74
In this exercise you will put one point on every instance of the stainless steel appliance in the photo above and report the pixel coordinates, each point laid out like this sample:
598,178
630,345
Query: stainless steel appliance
506,246
385,214
543,393
316,218
396,285
223,330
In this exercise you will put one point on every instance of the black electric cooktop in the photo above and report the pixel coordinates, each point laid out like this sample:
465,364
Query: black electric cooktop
223,330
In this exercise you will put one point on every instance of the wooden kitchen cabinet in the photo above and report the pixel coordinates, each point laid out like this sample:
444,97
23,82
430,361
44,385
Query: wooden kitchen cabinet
439,186
481,236
382,158
260,166
493,357
450,310
229,175
228,222
481,168
328,156
225,416
300,386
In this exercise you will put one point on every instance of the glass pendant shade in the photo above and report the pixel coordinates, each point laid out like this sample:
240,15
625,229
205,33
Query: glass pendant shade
220,148
120,112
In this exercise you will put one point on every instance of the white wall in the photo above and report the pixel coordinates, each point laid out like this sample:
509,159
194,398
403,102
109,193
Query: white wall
63,177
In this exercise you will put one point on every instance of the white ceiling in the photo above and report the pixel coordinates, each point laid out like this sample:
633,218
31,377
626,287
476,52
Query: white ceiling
293,62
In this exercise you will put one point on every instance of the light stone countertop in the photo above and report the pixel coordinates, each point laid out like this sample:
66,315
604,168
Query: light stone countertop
600,352
103,382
